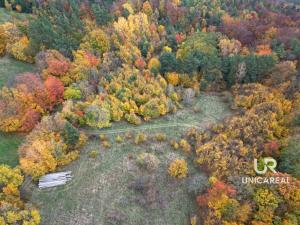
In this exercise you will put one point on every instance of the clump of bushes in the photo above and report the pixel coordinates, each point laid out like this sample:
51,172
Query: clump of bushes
106,144
148,161
103,137
178,168
93,154
174,144
133,119
18,50
185,146
140,138
14,42
160,137
119,139
98,115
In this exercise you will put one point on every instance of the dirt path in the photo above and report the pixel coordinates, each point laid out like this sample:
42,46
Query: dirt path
150,127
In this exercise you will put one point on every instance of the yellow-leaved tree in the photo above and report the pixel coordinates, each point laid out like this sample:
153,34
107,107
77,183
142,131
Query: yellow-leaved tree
12,209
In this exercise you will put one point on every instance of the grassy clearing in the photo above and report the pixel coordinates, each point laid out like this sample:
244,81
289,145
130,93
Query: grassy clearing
9,68
9,148
101,191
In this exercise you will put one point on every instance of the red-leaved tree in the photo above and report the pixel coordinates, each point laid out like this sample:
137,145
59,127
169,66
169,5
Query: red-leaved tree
55,89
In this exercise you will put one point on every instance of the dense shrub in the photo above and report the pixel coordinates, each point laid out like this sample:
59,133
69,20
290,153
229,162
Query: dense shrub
132,94
133,118
106,144
19,48
140,138
153,108
161,137
178,168
119,139
174,144
93,154
185,146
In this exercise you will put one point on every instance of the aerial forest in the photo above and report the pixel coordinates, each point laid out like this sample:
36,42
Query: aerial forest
161,104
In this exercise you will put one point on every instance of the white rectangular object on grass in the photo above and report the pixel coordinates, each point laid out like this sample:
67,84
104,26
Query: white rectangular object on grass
55,179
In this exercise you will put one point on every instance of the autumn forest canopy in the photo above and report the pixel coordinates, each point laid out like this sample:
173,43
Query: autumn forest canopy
97,76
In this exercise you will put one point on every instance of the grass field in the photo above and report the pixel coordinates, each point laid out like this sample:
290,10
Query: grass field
9,68
9,148
101,191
